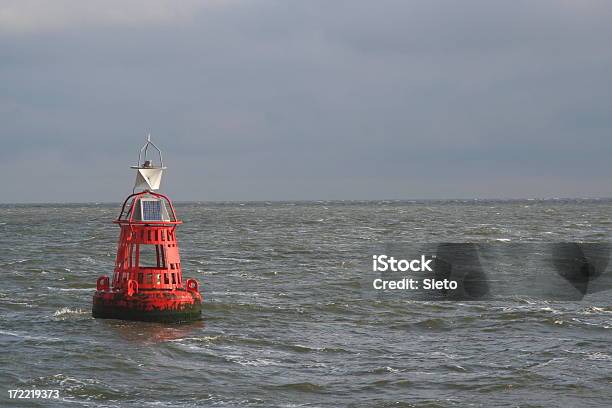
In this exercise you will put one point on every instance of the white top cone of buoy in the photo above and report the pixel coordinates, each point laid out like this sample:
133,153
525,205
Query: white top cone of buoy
148,175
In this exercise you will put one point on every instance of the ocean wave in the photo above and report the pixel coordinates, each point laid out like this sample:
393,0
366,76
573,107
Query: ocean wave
301,386
11,303
239,260
306,349
429,324
16,261
26,336
66,313
595,310
85,389
71,289
257,362
384,370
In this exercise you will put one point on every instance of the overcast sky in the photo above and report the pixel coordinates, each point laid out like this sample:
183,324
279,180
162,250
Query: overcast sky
283,100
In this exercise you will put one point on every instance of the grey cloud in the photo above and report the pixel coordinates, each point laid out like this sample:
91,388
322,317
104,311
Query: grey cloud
297,100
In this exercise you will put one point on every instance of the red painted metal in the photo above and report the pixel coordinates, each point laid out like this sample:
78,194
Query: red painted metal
103,283
147,291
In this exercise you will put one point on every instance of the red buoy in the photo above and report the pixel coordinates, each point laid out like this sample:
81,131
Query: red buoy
147,283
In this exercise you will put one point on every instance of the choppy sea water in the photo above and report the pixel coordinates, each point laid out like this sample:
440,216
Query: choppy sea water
285,320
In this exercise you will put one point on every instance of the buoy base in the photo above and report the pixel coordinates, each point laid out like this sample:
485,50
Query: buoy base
148,305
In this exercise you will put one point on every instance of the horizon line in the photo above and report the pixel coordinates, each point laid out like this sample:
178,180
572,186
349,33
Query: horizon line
324,200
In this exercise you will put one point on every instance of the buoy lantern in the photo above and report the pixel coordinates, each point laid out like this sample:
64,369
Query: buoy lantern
147,283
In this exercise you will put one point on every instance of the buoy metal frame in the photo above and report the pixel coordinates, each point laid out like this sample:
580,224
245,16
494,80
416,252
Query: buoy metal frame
154,291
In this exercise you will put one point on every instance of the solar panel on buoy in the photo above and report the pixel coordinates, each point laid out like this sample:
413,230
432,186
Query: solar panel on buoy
151,211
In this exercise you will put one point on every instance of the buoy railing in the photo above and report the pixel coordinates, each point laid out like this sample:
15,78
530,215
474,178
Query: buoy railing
129,213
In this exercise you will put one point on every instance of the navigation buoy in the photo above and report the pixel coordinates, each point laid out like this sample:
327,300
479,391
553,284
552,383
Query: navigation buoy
147,283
